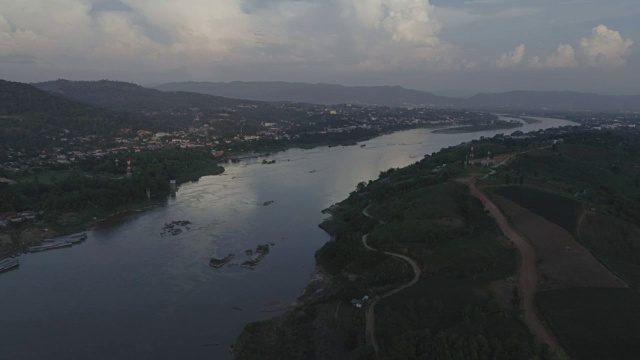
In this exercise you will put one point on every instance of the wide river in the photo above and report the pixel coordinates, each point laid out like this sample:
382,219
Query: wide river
129,293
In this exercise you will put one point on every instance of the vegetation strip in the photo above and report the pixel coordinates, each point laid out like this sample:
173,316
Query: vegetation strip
371,321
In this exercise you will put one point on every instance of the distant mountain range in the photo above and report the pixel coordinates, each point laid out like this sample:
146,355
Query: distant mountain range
399,96
118,95
210,95
30,117
327,94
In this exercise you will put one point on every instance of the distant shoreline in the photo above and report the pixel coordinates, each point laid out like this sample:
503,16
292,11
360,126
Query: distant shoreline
478,128
33,234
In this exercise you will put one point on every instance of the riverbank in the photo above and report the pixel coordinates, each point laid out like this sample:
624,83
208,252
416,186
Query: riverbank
17,238
464,290
498,125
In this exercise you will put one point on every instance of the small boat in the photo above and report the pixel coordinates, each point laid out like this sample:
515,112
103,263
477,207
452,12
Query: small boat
77,238
79,235
56,245
8,264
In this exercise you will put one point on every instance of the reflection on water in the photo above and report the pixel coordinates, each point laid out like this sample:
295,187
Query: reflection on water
130,293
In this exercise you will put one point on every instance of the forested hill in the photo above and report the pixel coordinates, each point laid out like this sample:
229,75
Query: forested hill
30,117
119,95
326,94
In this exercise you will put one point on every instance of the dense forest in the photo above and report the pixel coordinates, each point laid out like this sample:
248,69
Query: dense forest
70,200
102,184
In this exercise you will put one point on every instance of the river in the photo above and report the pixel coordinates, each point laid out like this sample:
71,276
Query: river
129,293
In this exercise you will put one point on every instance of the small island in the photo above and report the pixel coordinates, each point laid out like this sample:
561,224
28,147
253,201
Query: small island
261,251
174,227
218,263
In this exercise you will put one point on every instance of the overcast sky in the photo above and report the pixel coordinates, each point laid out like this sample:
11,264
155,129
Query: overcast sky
469,45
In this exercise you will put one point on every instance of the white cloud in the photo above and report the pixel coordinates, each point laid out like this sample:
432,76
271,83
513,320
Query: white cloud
605,48
207,38
396,34
404,20
563,57
511,58
198,34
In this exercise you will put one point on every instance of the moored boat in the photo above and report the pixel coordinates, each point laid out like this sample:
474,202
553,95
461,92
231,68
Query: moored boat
8,264
77,238
52,246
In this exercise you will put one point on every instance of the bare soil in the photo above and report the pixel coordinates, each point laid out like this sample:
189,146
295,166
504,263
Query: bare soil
562,261
527,275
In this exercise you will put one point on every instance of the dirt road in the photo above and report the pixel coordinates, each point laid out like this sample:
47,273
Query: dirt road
371,311
527,273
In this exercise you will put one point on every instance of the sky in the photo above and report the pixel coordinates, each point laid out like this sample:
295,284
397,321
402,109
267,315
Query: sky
447,46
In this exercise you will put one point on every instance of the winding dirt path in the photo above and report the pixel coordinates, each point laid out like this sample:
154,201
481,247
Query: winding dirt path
527,274
371,311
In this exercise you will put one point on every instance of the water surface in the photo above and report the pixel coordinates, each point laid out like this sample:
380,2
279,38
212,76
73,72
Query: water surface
130,293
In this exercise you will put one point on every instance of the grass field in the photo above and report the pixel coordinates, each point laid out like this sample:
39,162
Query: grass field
605,176
550,165
616,243
560,210
594,323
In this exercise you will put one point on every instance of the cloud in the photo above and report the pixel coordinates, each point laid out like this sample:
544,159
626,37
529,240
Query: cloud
511,58
395,34
563,57
406,21
605,48
200,34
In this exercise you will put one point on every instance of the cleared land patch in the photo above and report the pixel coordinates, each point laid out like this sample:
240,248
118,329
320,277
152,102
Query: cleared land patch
563,261
560,210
